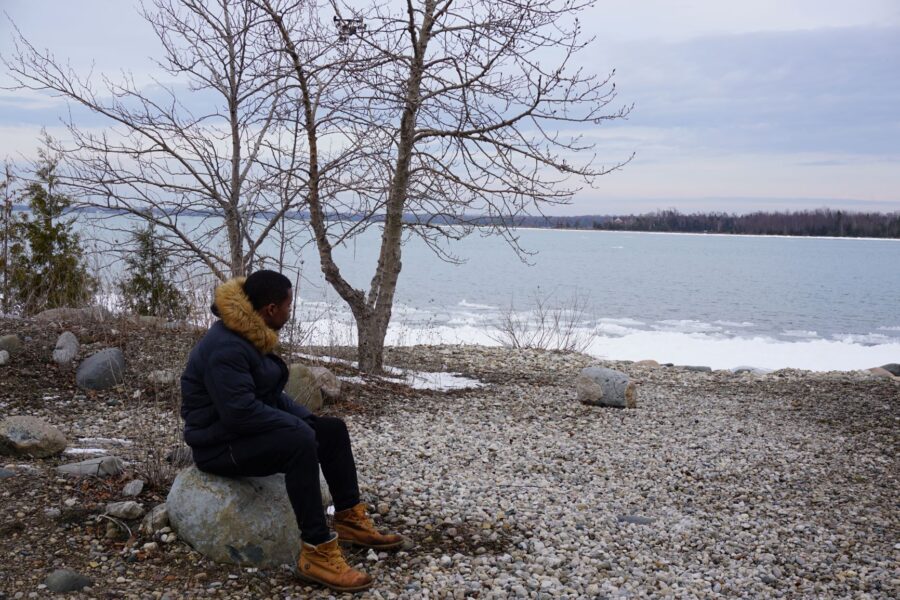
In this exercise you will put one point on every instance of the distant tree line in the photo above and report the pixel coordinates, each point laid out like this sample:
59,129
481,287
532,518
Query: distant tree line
820,222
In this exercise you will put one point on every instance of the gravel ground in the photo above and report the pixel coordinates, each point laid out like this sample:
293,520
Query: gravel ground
716,486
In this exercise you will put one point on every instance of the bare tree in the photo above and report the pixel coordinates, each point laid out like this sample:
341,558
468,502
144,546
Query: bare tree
475,107
6,223
208,142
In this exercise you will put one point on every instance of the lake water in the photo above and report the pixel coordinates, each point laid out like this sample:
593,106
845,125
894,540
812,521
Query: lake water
721,301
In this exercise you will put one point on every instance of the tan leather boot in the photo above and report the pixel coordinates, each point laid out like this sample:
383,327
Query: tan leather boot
325,564
354,526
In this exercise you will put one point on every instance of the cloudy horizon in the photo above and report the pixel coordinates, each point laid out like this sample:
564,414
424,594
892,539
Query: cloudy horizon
769,106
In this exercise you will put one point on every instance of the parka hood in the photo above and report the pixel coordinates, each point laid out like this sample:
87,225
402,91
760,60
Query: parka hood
234,308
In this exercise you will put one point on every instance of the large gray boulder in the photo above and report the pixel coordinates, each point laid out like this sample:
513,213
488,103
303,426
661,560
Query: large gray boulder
101,370
599,386
303,388
892,368
30,436
328,383
246,521
11,343
78,315
97,467
66,349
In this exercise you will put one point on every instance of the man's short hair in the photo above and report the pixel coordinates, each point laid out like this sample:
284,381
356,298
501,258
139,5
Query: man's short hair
266,287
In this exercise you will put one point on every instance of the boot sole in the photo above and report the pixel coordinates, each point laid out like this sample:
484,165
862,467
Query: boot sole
372,546
336,588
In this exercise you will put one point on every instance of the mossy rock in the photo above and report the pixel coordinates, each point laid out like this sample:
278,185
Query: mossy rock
303,388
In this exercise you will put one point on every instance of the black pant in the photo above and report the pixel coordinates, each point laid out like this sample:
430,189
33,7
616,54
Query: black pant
296,452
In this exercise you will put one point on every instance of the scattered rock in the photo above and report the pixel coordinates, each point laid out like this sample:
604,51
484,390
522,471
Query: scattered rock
77,315
133,488
328,383
303,387
599,386
66,349
100,467
243,521
101,370
748,369
163,377
156,519
881,372
892,368
11,343
635,519
4,358
64,580
646,363
30,436
128,509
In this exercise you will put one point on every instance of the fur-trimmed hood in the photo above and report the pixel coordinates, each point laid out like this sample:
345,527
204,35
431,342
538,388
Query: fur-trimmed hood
234,308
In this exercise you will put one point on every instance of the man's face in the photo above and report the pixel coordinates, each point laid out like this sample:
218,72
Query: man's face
276,315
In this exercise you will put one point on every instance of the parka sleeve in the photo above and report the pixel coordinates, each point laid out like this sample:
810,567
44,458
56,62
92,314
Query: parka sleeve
288,405
230,385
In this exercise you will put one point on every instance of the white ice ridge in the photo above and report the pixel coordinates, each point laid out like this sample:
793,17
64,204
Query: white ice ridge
418,380
102,440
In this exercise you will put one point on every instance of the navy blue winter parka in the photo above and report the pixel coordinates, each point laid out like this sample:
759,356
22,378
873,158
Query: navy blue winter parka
233,385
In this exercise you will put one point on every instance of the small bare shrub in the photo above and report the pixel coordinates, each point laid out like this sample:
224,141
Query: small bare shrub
547,325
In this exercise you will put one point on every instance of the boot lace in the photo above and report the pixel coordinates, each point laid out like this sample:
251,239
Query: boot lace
335,558
358,516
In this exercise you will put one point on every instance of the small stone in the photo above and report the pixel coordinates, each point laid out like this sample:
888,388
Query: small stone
100,467
64,580
125,510
11,344
150,547
156,519
371,556
446,561
636,519
383,508
4,358
133,488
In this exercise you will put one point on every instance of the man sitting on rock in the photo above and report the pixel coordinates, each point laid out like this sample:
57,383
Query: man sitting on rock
239,422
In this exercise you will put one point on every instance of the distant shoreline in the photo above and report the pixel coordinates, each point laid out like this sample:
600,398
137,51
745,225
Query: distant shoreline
741,235
822,223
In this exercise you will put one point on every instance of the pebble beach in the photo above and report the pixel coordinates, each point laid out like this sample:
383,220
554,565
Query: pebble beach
717,485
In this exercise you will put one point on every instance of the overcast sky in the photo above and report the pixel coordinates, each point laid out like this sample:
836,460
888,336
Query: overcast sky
738,105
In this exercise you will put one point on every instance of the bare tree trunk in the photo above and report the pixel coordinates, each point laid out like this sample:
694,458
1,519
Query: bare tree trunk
7,231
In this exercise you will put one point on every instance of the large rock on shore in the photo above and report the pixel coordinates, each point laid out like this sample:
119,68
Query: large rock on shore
599,386
303,388
30,436
11,343
246,521
328,383
66,349
101,370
